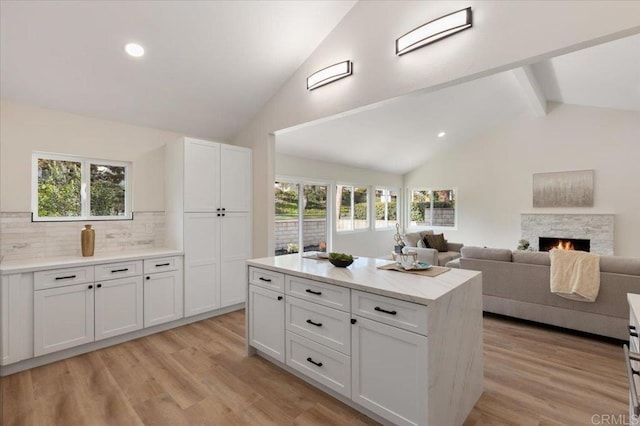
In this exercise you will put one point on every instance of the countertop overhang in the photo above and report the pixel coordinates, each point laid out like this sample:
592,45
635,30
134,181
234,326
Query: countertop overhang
38,264
364,275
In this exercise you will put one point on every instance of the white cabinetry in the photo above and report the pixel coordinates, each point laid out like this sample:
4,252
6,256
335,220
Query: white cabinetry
118,306
163,300
208,216
266,321
16,315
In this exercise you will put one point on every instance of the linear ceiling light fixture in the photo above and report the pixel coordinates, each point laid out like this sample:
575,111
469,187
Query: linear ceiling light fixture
329,74
435,30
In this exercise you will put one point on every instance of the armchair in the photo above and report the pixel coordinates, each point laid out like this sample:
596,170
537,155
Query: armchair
429,255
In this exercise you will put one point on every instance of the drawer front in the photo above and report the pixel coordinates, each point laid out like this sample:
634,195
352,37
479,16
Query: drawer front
161,264
267,279
406,315
111,271
329,295
320,324
329,367
62,277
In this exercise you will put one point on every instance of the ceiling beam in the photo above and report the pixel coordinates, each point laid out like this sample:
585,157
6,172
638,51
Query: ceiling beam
532,90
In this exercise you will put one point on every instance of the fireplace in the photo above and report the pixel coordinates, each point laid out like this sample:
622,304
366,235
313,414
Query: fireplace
548,243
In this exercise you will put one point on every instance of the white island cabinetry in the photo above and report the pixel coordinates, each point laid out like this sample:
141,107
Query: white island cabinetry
401,348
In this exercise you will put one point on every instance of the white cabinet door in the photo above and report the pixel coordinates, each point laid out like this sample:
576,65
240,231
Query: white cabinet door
202,267
201,176
16,317
163,301
235,178
63,318
266,321
235,249
389,371
118,307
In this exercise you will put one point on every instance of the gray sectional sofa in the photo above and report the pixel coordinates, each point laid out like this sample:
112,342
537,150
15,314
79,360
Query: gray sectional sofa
517,284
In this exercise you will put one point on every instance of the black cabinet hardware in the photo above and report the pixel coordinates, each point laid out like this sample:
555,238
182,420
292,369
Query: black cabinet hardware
99,285
222,214
68,277
90,287
353,320
223,209
162,264
319,364
119,270
632,331
379,309
279,297
317,293
218,215
317,324
267,280
148,277
218,209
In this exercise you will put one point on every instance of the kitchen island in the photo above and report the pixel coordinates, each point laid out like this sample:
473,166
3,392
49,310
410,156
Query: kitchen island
400,347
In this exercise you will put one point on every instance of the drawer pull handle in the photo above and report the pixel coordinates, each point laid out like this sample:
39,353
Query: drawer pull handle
68,277
317,324
319,364
317,293
267,280
379,309
90,287
113,271
99,285
162,264
279,297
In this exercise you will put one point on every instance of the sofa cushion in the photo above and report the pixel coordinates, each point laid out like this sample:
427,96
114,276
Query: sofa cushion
531,257
501,255
447,256
620,265
437,242
411,239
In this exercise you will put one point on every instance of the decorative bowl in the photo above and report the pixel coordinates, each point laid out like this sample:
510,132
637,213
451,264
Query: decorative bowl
341,263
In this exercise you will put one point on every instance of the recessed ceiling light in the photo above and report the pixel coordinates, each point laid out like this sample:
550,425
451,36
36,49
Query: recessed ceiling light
134,49
441,134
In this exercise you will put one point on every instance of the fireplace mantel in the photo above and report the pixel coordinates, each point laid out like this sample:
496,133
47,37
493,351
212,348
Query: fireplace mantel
599,228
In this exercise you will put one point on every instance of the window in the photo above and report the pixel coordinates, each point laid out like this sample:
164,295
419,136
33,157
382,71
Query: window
352,208
74,188
386,208
310,210
432,207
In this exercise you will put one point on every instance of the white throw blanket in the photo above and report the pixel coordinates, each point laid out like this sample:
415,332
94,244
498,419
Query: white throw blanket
575,274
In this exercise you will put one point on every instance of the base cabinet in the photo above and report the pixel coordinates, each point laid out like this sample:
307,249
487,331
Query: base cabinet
16,318
163,301
389,371
118,307
266,321
63,318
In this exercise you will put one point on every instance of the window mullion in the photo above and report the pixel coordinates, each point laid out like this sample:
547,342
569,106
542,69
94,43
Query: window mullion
85,194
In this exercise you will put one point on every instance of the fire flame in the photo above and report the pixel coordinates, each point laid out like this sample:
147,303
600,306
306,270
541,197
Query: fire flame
564,245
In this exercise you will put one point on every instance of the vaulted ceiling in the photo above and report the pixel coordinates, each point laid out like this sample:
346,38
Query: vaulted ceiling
209,66
402,134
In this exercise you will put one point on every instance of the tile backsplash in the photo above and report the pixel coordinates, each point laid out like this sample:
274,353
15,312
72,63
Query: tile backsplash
22,239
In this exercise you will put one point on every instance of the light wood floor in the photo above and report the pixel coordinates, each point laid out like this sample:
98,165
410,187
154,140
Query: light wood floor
199,375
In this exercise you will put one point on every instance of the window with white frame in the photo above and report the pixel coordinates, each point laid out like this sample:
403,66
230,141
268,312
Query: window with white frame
432,207
352,208
386,208
74,188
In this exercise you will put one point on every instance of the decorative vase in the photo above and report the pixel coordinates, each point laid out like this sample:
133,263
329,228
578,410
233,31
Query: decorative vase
88,240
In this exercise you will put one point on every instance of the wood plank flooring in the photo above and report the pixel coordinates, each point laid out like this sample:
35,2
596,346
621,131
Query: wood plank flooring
199,375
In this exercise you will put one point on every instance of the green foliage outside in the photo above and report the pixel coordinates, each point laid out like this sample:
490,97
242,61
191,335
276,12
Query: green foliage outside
58,188
393,210
107,190
287,201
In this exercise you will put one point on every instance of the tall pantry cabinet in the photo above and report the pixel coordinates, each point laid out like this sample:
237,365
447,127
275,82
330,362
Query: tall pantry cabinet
208,217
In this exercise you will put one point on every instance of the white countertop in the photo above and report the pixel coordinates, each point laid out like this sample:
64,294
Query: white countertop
634,304
364,275
38,264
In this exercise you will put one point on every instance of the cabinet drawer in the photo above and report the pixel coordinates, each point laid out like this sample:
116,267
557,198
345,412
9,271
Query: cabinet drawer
405,315
326,366
62,277
110,271
161,264
266,278
329,295
319,323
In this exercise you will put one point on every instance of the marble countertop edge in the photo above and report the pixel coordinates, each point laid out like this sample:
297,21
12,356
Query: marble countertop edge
37,264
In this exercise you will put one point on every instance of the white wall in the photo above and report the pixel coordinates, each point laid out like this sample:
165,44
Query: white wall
364,243
504,35
493,173
25,129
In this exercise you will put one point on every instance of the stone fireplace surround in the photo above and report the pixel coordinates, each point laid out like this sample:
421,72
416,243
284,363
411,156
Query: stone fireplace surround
599,228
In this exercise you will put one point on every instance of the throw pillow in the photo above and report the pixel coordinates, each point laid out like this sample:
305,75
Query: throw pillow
437,242
425,243
421,244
